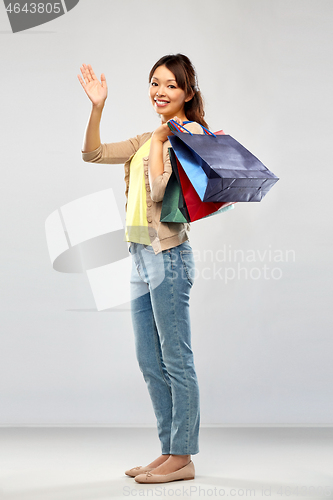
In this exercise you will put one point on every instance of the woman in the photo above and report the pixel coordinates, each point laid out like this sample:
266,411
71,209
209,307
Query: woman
162,261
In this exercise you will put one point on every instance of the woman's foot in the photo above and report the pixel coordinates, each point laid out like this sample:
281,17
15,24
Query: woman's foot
171,464
160,460
135,471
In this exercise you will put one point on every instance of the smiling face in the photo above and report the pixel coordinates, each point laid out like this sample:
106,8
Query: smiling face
166,96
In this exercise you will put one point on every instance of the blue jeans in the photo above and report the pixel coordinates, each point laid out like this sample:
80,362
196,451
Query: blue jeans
160,292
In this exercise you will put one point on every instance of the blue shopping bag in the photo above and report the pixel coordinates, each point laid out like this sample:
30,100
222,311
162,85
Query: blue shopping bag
219,167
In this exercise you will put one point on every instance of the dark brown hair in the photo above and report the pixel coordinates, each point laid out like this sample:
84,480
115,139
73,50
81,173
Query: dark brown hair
186,79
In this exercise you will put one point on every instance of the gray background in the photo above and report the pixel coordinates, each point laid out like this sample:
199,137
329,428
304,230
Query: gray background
262,346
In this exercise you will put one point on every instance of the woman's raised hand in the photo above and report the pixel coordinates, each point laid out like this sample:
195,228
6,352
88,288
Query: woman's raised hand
95,90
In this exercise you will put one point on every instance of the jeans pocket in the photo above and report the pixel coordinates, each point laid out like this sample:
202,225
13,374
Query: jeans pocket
148,248
188,265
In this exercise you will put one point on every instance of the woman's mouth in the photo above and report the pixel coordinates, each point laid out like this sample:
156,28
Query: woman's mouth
160,103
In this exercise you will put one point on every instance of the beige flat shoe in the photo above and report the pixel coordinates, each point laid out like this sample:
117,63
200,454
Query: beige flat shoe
186,472
138,470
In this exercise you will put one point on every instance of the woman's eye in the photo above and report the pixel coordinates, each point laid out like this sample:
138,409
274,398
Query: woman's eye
153,84
172,86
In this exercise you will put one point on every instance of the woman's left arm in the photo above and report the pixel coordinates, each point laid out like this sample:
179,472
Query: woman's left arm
159,168
156,163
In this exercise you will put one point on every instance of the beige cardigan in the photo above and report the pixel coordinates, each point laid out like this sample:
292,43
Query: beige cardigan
163,235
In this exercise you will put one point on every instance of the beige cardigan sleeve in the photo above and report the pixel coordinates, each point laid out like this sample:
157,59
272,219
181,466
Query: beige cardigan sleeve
115,152
160,182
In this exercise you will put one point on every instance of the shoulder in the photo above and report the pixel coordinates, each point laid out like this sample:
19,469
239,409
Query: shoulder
142,138
194,127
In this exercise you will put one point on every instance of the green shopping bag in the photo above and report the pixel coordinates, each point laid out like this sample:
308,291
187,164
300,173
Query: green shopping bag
174,207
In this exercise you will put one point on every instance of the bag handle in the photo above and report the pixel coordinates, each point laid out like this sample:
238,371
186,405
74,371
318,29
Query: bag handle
174,126
207,132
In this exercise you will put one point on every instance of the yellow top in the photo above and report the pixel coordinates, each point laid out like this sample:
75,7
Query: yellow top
136,213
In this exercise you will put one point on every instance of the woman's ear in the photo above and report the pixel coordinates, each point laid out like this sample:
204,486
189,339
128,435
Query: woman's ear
189,97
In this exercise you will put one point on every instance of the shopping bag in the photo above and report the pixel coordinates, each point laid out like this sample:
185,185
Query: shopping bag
181,202
196,208
219,167
173,206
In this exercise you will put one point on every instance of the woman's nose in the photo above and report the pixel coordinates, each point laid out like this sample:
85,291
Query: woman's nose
160,92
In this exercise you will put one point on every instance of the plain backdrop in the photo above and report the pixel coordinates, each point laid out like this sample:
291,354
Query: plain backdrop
262,342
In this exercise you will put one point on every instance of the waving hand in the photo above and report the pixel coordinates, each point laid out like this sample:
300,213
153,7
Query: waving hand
95,90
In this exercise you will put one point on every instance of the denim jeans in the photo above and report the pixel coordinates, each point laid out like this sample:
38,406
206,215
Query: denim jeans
160,292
